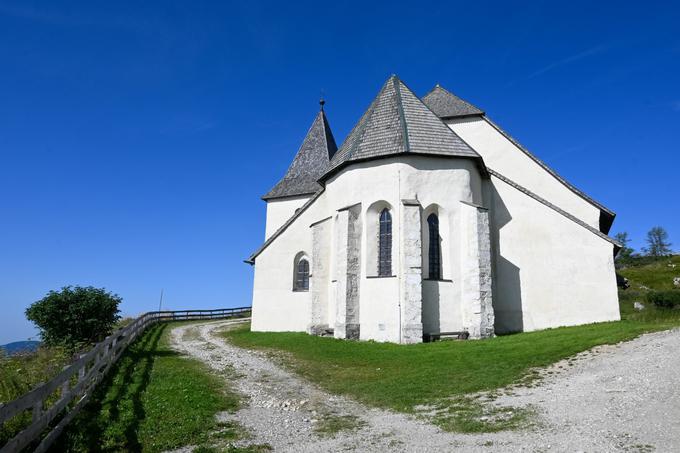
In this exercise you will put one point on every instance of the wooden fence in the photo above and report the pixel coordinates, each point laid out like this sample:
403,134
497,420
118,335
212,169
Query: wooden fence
70,390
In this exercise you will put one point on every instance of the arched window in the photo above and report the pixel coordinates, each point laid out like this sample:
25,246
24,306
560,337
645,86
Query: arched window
435,251
385,244
301,275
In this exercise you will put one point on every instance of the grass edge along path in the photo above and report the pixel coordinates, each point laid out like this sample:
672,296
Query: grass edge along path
155,399
440,375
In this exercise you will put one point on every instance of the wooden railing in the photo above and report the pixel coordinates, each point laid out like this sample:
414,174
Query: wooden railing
55,403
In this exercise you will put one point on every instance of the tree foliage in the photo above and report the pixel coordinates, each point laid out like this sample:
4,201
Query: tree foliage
657,242
75,316
626,252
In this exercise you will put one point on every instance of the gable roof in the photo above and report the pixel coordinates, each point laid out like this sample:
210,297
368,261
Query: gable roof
282,228
447,105
311,161
606,215
397,122
617,245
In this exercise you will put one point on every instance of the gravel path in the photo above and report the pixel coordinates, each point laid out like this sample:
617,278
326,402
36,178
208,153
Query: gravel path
612,398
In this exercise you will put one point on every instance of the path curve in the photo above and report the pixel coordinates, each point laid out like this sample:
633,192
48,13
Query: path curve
612,398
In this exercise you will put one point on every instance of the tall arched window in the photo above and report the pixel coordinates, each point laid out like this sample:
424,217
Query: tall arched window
385,244
435,251
301,275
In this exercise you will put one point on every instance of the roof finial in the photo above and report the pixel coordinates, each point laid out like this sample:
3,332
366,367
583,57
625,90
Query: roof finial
322,101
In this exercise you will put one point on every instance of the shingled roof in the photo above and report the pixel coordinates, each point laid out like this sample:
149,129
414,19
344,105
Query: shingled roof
310,163
447,105
397,122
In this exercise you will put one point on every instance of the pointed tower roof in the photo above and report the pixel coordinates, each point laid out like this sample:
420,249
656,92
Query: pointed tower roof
447,105
397,122
310,162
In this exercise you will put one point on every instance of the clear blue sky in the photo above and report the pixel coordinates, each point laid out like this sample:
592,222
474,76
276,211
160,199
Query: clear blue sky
137,137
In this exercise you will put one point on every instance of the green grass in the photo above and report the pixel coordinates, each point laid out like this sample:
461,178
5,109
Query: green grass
20,374
657,275
442,375
468,415
331,424
154,399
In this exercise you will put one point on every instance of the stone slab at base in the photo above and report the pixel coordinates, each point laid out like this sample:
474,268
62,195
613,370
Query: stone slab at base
352,331
412,333
317,329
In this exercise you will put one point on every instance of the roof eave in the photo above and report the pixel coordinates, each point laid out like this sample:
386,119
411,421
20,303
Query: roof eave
478,160
278,197
608,214
251,259
466,115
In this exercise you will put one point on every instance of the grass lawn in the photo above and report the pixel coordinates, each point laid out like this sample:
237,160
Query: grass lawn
154,399
21,373
401,377
656,275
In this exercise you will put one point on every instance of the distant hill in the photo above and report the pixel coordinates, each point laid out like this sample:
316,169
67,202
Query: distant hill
18,347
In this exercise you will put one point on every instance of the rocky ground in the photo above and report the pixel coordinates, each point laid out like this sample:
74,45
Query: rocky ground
613,398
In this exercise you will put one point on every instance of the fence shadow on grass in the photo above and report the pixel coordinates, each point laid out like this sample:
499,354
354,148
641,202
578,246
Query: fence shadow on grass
112,418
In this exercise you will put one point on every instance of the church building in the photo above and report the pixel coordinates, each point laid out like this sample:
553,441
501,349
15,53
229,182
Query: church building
428,221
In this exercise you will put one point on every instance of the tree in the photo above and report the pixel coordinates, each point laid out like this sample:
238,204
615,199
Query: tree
75,316
657,242
626,252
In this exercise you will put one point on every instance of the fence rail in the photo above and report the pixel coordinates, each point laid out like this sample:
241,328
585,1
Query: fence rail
70,390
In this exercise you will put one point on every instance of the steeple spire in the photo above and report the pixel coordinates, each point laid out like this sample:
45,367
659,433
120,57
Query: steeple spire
311,161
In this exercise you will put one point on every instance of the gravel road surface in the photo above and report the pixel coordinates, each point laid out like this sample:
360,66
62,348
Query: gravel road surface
622,397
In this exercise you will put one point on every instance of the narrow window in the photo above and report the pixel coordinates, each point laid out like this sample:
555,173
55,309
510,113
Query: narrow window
435,251
385,244
302,275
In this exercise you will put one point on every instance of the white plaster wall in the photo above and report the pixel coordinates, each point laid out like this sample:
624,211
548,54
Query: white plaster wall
320,274
501,155
380,309
548,271
367,183
276,307
441,307
279,211
431,180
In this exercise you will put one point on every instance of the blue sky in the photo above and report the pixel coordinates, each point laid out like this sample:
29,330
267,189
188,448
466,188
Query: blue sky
137,137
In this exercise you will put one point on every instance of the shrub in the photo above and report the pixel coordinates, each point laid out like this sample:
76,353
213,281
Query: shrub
75,316
664,299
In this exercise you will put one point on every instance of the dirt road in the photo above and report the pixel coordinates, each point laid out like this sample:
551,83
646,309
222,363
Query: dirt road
624,397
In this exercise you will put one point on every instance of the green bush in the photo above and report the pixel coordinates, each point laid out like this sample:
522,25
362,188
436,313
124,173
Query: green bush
75,316
664,299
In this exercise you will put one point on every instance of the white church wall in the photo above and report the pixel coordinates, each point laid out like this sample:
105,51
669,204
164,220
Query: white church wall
276,307
380,309
320,275
375,185
433,181
548,270
501,155
279,211
441,307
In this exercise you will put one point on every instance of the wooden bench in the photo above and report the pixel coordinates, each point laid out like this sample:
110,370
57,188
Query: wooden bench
428,337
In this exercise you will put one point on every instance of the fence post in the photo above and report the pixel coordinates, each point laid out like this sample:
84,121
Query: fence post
37,410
